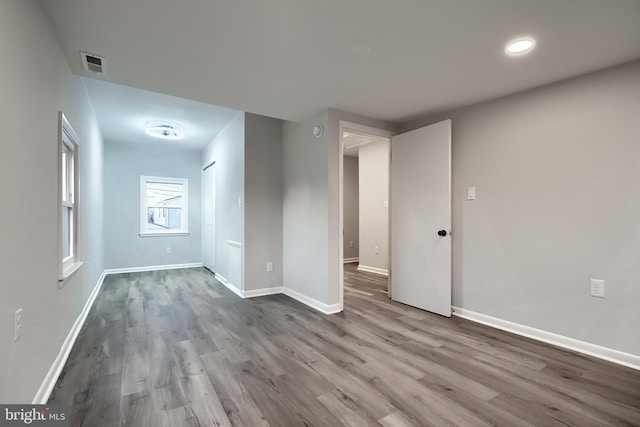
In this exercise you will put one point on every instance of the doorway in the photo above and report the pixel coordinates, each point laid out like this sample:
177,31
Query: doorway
419,214
364,213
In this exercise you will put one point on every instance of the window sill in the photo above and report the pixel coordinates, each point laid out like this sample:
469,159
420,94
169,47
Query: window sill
67,272
164,234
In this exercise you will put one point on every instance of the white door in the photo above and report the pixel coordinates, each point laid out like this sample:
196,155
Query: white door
420,273
209,217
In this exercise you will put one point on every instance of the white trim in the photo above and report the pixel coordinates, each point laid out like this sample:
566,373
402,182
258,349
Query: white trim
163,233
313,303
232,243
611,355
49,382
230,286
152,268
348,260
374,270
261,292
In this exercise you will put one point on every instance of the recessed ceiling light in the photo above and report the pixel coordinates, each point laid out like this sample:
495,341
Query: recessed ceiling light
520,46
165,130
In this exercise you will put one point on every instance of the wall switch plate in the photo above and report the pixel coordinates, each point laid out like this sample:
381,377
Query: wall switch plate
239,202
269,266
17,325
350,243
377,249
471,193
168,250
386,203
597,288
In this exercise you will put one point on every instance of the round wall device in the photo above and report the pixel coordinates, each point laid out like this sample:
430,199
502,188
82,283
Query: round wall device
317,131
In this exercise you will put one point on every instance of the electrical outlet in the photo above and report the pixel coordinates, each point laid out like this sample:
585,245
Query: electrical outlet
168,250
239,202
17,325
597,288
350,243
269,266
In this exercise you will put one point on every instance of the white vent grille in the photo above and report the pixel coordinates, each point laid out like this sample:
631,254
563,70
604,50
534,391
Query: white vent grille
93,63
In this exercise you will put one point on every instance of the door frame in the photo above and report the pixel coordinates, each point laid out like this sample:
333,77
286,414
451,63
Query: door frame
342,126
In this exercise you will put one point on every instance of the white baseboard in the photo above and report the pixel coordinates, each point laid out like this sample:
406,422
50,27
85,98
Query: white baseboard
152,268
350,260
611,355
49,382
374,270
261,292
229,286
313,303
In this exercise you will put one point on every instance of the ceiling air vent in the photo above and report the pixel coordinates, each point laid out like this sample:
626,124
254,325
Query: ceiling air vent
93,63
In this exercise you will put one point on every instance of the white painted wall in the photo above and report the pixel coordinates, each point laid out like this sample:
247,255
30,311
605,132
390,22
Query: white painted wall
374,216
557,172
227,149
351,202
263,204
305,227
124,163
36,83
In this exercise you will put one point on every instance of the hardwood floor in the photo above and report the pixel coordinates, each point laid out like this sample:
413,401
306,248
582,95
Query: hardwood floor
176,348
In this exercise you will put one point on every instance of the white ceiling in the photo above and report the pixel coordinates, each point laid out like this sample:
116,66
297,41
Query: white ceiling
123,113
290,59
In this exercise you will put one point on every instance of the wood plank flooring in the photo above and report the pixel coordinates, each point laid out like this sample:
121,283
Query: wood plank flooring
176,348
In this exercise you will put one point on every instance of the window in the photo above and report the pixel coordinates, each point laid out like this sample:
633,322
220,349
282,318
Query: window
164,206
68,196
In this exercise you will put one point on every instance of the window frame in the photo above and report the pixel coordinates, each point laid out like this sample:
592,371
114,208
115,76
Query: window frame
68,197
144,208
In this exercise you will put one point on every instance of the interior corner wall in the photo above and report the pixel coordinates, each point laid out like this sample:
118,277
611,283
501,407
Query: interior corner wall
124,163
263,202
36,83
227,150
351,202
374,215
305,227
557,173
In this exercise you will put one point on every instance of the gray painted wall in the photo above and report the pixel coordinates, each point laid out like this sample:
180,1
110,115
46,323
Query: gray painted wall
351,202
35,82
374,216
227,149
124,163
305,227
263,204
558,201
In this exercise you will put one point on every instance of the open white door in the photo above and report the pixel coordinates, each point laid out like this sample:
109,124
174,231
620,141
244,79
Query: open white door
420,174
209,217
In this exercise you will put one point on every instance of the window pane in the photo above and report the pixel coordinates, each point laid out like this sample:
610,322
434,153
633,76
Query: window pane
164,218
163,194
66,232
65,175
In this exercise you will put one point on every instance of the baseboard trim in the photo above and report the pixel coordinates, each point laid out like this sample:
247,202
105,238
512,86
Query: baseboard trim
313,303
229,286
261,292
374,270
608,354
49,382
350,260
152,268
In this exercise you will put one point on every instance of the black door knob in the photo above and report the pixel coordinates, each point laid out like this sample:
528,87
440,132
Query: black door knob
442,233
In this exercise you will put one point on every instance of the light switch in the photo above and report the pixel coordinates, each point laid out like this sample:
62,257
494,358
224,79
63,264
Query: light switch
471,193
386,203
239,202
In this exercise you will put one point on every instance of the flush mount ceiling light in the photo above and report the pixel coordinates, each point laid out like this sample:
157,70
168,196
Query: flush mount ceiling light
520,46
165,130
